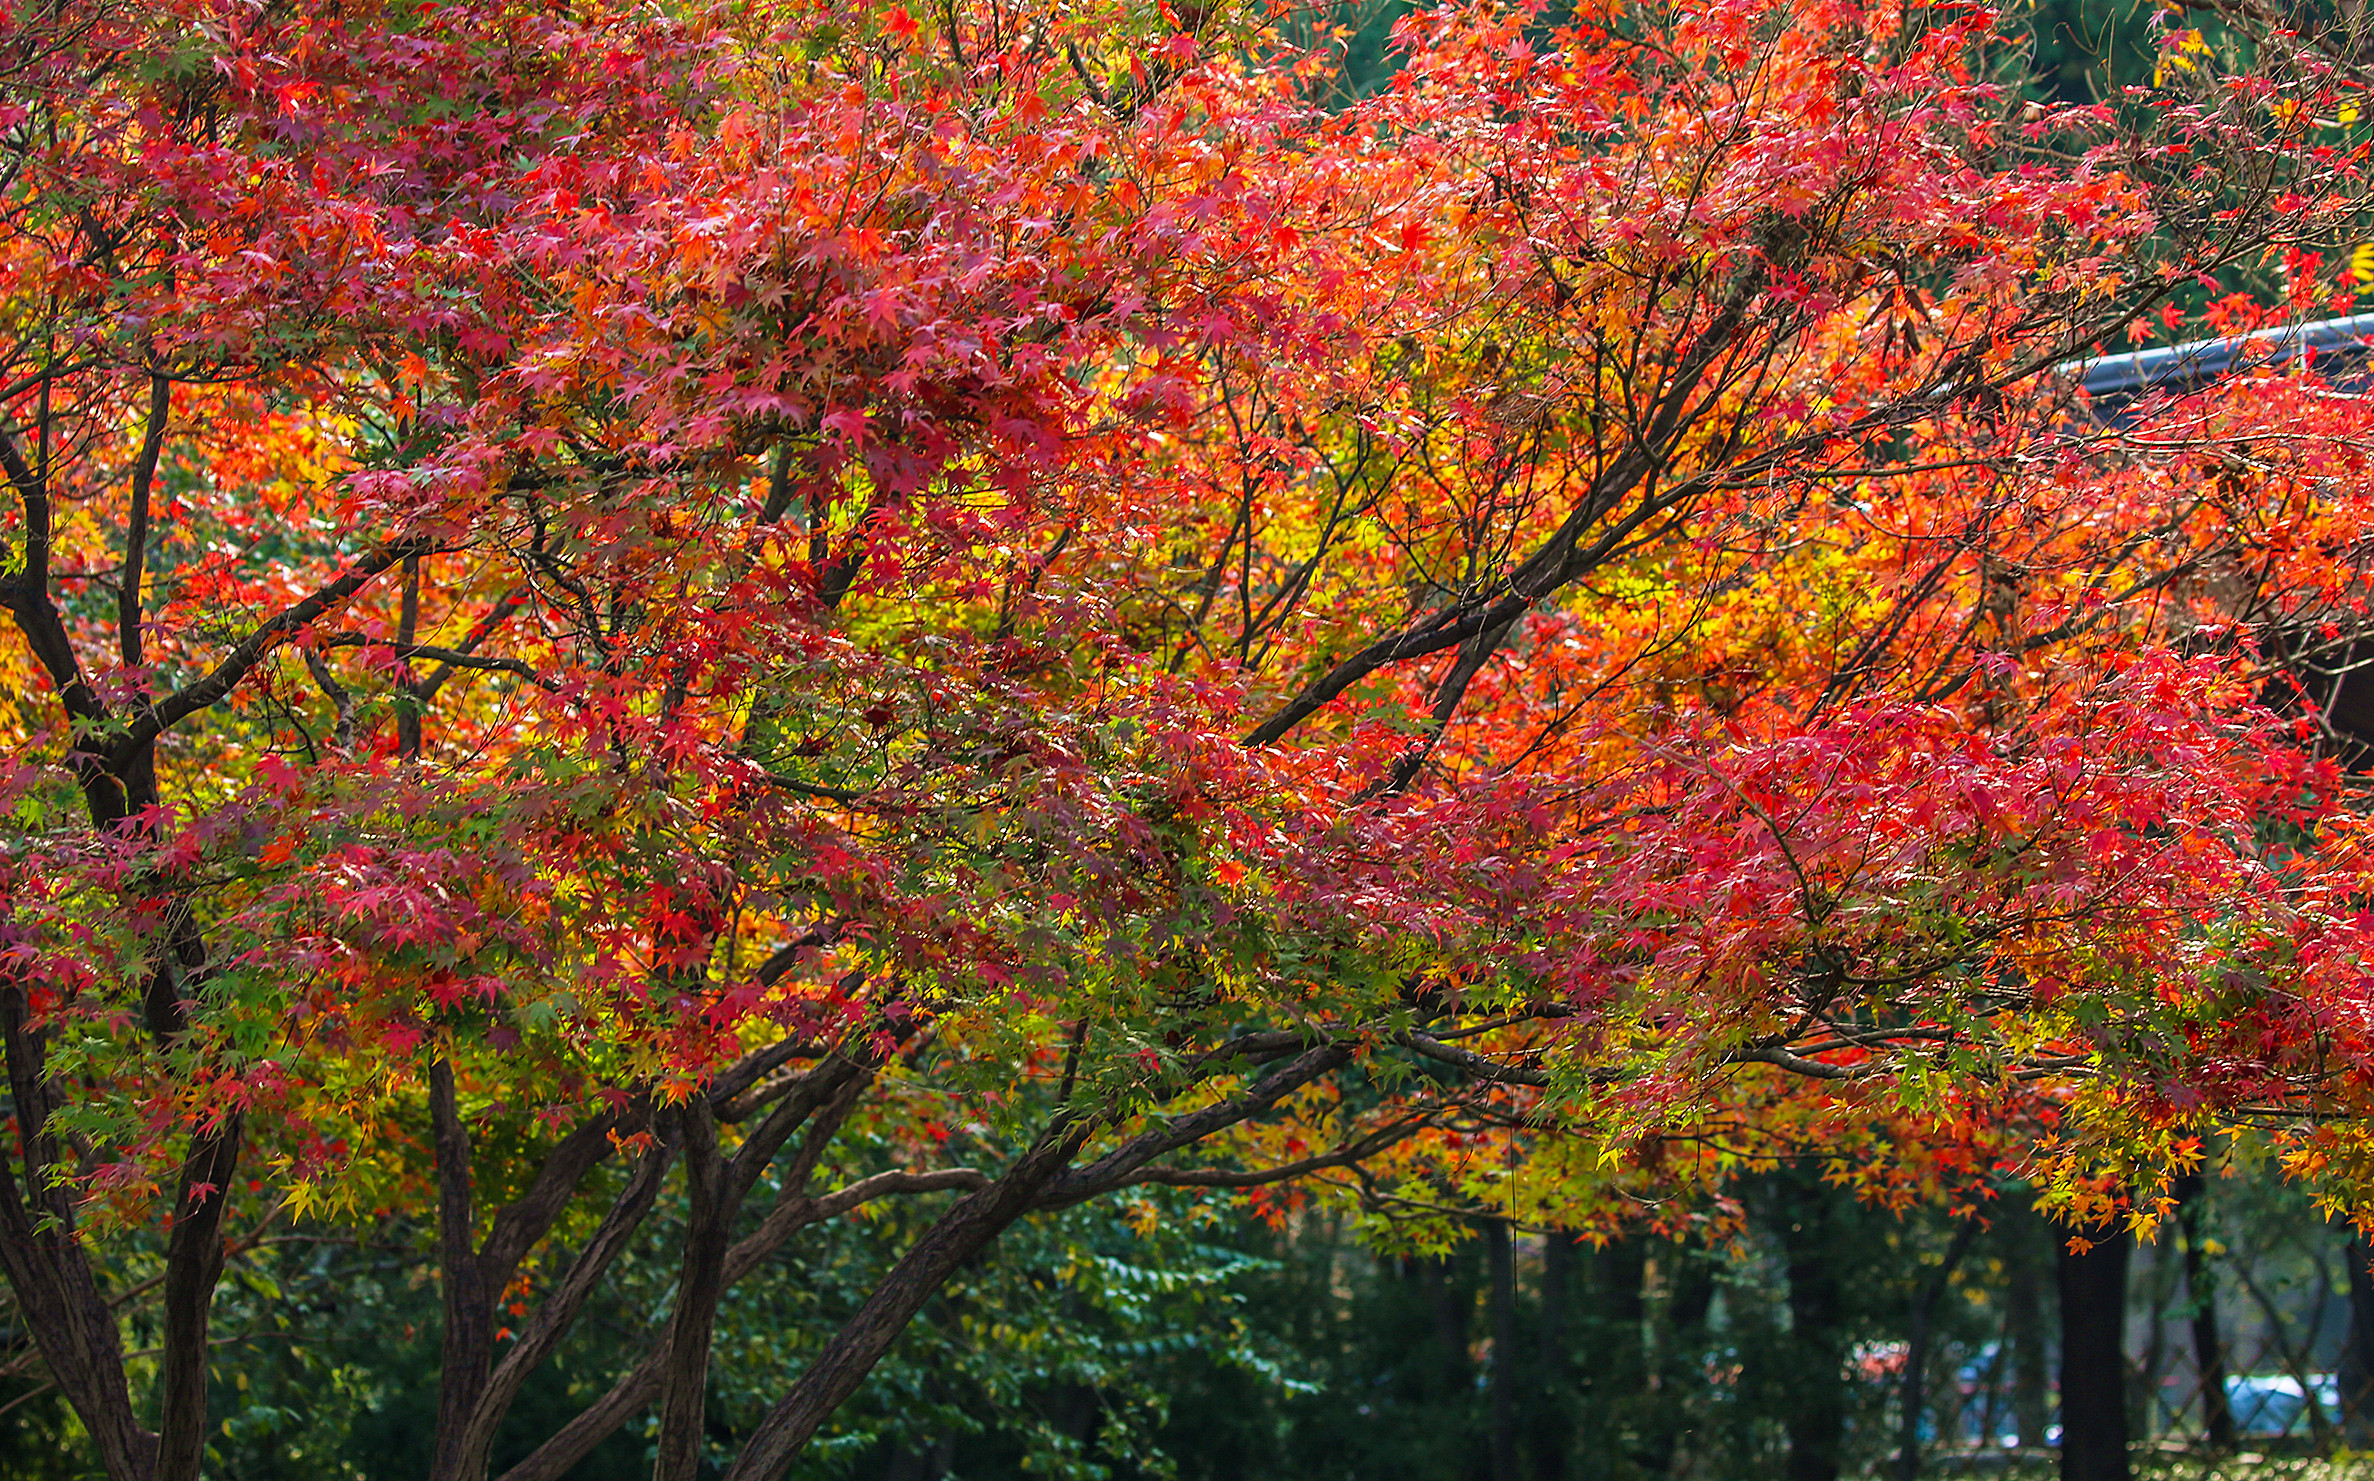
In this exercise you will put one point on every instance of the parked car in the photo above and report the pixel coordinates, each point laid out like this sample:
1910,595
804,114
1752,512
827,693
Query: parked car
2268,1406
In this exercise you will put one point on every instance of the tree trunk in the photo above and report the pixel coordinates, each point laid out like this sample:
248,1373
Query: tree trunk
683,1409
193,1266
2093,1361
1913,1397
1553,1383
465,1358
49,1268
1504,1349
2200,1291
2357,1351
2023,1326
1817,1417
1676,1373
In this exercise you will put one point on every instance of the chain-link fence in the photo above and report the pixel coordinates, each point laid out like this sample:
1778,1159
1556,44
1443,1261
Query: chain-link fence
2239,1319
2154,1464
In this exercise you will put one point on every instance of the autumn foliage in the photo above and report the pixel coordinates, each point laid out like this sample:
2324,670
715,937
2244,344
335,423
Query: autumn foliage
792,605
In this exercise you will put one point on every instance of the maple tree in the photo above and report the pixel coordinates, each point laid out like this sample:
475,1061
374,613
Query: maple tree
999,607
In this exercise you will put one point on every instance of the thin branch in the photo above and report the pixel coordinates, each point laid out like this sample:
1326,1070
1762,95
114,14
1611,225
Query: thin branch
1346,1155
449,660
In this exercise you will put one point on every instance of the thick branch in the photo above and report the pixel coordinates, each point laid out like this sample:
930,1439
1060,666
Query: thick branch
1795,1064
957,1236
557,1456
470,1407
754,1083
1561,557
341,702
789,1218
29,597
251,650
506,604
542,1335
448,659
1473,1063
49,1271
193,1266
1116,1168
144,476
1448,696
529,1217
837,1078
714,1191
1349,1155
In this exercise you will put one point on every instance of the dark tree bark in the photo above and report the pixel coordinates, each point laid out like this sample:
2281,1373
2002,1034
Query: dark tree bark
2200,1290
466,1347
114,761
1450,1310
714,1189
2024,1261
1042,1179
1913,1396
1505,1367
2357,1351
473,1276
193,1266
49,1270
683,1397
2093,1359
956,1237
1680,1348
1551,1429
1817,1414
557,1456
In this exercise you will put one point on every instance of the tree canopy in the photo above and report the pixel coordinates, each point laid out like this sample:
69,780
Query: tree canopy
661,628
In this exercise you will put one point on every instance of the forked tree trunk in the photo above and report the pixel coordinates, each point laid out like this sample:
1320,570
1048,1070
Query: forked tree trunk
47,1266
49,1271
114,763
193,1267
